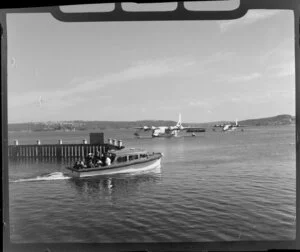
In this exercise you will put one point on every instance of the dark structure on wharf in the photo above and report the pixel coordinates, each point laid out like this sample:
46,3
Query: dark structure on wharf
61,150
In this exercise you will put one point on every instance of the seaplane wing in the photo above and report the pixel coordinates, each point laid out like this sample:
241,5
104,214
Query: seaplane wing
229,124
168,131
222,125
145,128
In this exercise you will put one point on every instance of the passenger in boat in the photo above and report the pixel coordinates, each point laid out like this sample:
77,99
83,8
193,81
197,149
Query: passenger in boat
98,163
89,160
88,157
103,158
90,165
107,161
82,164
97,157
112,158
76,165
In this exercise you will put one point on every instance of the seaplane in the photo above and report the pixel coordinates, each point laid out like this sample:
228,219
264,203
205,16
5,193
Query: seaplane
229,126
169,131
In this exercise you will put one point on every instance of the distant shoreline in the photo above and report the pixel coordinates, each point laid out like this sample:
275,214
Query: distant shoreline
77,125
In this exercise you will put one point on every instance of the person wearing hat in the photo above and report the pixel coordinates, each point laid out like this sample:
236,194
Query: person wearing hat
89,160
107,160
103,158
97,157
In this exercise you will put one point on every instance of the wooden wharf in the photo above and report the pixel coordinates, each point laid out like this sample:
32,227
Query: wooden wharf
61,150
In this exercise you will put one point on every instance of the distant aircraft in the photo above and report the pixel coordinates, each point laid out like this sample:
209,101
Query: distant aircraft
229,126
168,131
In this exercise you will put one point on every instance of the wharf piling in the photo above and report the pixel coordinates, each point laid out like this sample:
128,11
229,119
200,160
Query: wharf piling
56,150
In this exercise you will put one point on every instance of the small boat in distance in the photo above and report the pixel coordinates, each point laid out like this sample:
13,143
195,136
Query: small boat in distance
123,161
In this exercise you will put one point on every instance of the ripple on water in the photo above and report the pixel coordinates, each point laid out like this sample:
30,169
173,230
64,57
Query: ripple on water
222,187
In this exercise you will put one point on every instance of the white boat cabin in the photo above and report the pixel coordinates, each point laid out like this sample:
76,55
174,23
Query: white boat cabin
128,155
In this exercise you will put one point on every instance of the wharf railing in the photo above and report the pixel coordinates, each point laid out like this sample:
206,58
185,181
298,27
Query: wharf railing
60,150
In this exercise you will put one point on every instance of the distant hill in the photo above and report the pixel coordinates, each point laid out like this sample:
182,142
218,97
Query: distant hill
267,121
85,125
102,125
270,121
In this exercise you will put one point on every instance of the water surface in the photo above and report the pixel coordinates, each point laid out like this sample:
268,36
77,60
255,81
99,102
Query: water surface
212,187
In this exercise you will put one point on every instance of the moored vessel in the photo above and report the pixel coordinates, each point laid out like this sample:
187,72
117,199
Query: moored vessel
121,161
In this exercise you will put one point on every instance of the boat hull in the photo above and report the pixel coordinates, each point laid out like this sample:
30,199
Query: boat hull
137,167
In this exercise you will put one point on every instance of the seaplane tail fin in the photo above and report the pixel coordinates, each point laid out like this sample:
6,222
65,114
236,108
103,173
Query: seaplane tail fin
179,121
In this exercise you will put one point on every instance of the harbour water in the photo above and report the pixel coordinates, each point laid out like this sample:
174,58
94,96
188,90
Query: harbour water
213,187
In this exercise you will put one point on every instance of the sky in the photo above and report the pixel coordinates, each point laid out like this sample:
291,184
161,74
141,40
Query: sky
125,71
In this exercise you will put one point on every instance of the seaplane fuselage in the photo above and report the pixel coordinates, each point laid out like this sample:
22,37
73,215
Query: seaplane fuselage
229,127
169,131
164,131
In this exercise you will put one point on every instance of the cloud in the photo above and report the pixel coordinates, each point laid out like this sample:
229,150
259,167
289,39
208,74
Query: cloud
237,98
208,63
206,105
283,69
282,94
239,78
220,56
199,103
243,78
171,107
279,60
251,17
138,70
283,50
259,97
81,89
286,69
52,100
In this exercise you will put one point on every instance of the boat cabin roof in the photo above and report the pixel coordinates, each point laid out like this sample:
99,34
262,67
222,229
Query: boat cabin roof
130,151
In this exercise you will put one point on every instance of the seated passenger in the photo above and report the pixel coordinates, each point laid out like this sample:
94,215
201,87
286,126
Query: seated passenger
107,161
88,158
98,163
76,165
90,164
102,158
97,157
82,164
112,158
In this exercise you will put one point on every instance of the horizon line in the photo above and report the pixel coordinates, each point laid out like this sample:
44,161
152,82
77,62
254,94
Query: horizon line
27,122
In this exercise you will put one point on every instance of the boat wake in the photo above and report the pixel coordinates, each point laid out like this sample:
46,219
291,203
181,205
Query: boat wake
49,176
